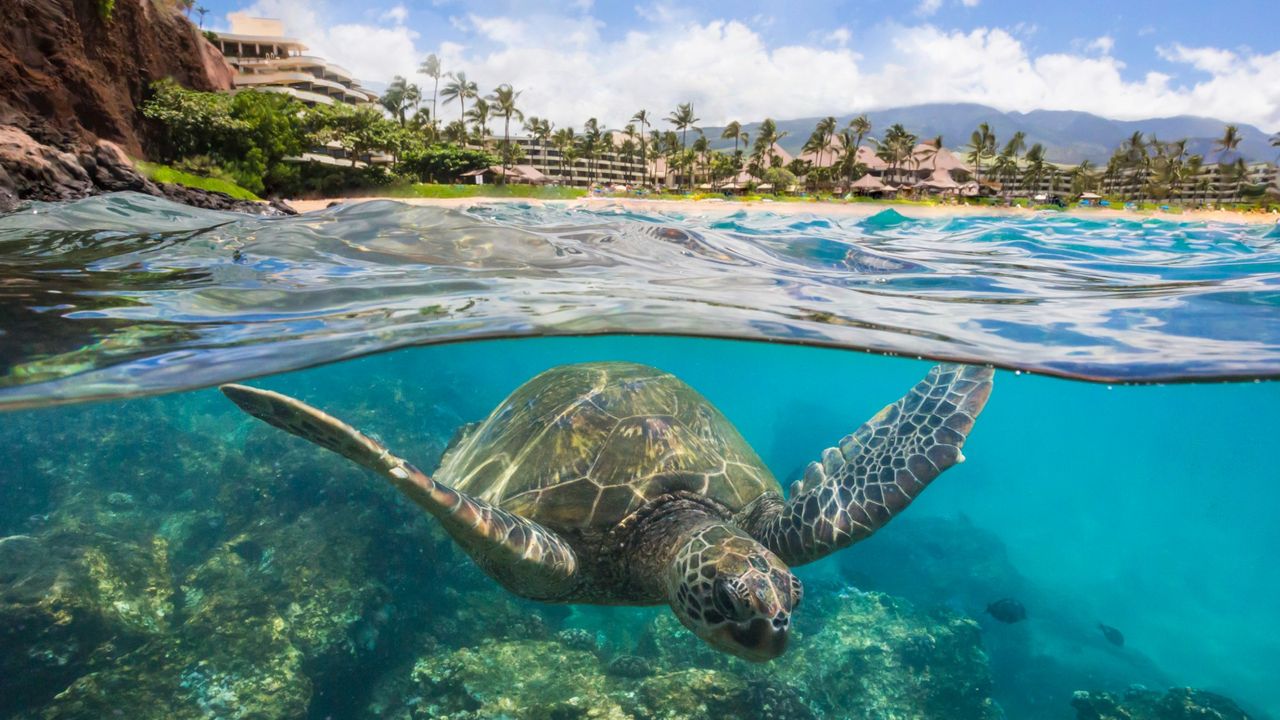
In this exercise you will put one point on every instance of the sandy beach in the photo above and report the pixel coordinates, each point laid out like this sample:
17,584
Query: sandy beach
725,207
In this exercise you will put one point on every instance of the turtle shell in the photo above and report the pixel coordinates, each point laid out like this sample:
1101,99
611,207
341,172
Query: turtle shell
583,446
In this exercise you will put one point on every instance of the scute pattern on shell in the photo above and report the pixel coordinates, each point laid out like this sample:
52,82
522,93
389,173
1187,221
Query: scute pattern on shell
583,446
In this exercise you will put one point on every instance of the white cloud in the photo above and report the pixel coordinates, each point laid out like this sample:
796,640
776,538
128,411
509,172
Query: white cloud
928,7
1102,45
569,70
839,36
396,14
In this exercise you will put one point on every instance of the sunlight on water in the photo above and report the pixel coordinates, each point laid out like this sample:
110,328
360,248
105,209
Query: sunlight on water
129,294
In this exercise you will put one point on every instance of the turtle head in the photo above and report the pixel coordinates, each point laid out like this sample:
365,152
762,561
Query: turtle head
733,593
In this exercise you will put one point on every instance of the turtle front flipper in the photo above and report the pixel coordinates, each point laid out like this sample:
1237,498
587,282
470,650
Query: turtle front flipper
877,471
525,557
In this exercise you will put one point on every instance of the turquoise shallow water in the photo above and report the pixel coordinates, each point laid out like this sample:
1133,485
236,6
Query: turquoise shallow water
170,556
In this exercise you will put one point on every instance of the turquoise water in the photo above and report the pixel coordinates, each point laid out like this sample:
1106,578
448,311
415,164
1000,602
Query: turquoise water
170,557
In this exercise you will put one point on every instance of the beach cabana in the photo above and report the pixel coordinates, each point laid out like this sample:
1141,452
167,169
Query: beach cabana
516,175
941,181
868,185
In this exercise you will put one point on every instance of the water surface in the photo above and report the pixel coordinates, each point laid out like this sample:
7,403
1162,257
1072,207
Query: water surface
128,294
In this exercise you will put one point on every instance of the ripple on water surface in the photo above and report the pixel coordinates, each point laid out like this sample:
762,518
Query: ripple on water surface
129,294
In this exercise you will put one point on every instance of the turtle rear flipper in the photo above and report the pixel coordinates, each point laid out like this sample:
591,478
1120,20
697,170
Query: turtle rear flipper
525,557
877,471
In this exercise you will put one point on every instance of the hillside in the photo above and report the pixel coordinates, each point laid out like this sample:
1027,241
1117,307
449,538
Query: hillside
1068,136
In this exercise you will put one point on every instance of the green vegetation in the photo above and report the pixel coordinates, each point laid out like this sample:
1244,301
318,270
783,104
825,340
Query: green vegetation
106,8
431,190
255,139
166,174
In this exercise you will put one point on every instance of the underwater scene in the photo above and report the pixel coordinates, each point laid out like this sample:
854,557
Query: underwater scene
1104,547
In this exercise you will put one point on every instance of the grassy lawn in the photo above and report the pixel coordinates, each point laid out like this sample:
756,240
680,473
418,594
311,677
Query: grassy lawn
430,190
165,174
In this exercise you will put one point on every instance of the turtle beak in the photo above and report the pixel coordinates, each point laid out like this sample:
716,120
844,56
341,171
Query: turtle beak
760,639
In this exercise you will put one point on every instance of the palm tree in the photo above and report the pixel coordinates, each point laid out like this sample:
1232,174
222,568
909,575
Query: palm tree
564,140
396,99
642,117
431,68
766,138
1135,155
479,117
1082,178
823,132
590,144
734,130
460,89
540,130
1229,141
503,104
861,127
982,143
201,11
628,151
1275,143
1236,173
1199,180
701,147
1036,167
683,119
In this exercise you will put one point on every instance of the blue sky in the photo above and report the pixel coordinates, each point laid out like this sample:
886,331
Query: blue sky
752,58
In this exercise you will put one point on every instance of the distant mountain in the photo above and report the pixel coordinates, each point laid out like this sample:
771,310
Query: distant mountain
1068,137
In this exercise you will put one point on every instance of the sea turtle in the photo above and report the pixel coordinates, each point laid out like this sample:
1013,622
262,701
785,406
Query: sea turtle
616,483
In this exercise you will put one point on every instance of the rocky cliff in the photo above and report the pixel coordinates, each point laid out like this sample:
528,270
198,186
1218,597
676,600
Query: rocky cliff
69,74
72,80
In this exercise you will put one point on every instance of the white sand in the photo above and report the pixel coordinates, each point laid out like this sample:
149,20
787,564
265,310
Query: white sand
835,209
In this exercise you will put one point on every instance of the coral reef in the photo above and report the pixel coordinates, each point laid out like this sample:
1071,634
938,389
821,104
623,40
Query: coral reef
1138,703
213,567
858,656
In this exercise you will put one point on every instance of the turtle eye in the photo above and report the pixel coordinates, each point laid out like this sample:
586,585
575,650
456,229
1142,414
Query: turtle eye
728,599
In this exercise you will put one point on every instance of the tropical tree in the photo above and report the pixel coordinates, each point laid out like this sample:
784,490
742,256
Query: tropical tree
701,147
734,130
400,95
982,143
767,137
1275,143
539,129
1235,174
1199,179
1229,141
590,144
479,116
823,133
683,119
1135,156
628,150
642,117
1036,167
431,68
565,141
202,11
461,89
861,128
897,148
1082,178
503,104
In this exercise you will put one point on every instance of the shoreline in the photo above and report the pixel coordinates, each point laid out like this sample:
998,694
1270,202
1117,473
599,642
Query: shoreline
838,209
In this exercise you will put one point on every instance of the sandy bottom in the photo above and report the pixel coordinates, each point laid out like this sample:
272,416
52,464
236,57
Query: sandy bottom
721,207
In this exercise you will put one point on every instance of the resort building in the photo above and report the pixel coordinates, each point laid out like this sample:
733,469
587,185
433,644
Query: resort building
264,59
609,167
